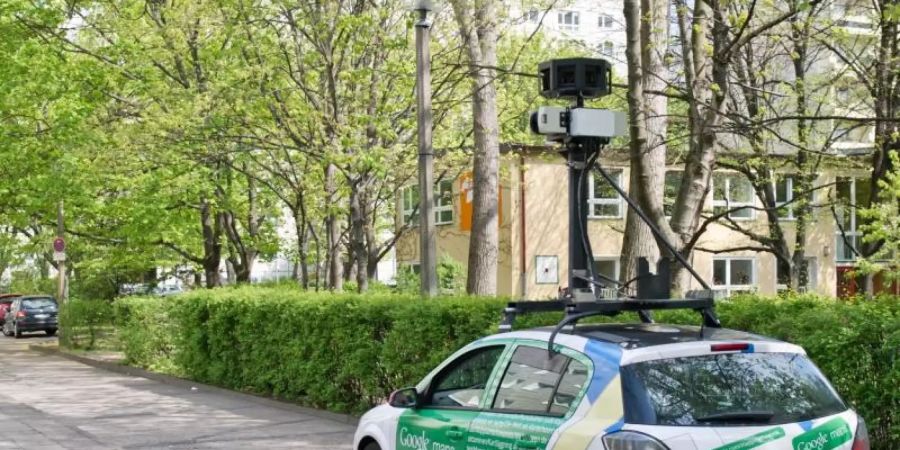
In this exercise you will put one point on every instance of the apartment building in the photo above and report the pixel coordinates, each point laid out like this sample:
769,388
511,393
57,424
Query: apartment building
596,26
533,253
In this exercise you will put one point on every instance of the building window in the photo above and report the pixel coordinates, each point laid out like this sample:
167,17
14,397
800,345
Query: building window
410,196
843,132
411,268
603,200
730,191
670,190
443,203
608,268
534,16
608,48
784,195
734,274
568,20
605,21
784,272
852,193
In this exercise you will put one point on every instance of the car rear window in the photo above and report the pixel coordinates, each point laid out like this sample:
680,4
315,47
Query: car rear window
734,389
37,303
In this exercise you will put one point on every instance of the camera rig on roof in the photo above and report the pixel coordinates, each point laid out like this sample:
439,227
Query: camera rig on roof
583,132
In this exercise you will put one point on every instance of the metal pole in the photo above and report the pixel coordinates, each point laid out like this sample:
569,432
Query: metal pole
428,248
578,211
61,265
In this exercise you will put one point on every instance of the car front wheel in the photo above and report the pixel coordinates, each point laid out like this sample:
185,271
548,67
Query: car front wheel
372,446
50,332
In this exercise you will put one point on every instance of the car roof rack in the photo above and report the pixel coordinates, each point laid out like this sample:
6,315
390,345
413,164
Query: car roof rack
577,310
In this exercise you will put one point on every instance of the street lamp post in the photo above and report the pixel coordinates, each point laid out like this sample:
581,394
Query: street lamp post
428,248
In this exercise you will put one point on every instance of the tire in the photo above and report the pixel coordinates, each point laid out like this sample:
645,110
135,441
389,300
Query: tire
50,332
372,446
16,332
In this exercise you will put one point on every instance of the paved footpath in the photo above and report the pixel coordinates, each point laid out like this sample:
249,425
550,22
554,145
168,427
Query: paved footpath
49,402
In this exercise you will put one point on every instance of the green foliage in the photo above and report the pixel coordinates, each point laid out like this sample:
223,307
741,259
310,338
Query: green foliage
88,325
346,352
407,280
31,282
146,329
451,277
883,225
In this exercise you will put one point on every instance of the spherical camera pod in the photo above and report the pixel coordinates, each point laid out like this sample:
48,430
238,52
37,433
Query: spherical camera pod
576,78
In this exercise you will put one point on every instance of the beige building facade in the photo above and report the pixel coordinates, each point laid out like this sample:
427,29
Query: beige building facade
533,251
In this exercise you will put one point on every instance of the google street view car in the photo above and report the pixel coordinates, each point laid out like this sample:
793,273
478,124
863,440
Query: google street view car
642,386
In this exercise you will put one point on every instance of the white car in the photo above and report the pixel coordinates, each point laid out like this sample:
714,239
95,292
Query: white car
618,387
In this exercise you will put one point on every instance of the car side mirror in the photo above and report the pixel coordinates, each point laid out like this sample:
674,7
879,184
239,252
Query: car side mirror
404,398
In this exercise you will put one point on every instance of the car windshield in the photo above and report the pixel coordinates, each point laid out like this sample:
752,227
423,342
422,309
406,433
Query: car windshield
38,303
731,389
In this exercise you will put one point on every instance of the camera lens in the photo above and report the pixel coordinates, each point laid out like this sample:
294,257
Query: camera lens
533,123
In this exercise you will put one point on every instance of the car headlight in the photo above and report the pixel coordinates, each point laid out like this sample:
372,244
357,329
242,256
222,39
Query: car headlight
631,440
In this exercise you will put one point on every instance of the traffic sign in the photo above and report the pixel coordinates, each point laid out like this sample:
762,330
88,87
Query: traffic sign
59,245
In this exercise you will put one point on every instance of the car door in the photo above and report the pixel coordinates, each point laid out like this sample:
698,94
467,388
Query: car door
453,398
11,315
536,393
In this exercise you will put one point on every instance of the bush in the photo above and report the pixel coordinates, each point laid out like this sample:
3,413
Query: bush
345,352
450,272
88,325
146,330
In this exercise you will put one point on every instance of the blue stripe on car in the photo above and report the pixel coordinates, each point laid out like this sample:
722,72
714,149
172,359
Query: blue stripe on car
607,358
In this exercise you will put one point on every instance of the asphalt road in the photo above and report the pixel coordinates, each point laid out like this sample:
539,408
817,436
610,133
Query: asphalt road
49,402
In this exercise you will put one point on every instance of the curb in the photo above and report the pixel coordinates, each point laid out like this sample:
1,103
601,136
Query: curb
181,382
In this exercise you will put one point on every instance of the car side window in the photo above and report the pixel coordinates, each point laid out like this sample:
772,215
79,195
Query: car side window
570,386
462,383
538,382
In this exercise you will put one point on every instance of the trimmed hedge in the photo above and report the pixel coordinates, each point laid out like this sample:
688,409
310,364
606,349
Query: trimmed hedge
346,352
88,325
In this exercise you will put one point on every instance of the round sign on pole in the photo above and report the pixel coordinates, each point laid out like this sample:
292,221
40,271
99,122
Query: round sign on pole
59,245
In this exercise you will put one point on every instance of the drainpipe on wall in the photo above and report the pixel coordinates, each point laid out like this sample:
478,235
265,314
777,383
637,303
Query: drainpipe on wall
523,259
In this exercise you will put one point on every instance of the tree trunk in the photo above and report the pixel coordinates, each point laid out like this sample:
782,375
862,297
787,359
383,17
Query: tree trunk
477,23
357,236
647,37
301,270
212,245
333,232
803,208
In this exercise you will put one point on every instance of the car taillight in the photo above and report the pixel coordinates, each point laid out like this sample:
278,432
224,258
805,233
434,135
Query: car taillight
732,347
630,440
861,441
21,313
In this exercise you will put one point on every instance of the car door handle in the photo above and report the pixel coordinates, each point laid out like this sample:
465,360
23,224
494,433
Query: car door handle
454,434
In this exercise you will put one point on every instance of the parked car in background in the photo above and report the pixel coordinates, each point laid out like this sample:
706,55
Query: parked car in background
31,313
167,290
6,301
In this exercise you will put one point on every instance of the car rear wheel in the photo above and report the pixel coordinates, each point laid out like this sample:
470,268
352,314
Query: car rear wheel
372,446
50,332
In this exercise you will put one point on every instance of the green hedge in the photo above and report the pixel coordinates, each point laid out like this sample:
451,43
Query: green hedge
88,325
345,352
